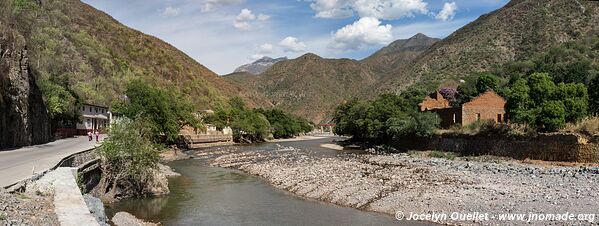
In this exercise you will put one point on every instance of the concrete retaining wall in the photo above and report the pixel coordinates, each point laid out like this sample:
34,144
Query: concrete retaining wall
550,147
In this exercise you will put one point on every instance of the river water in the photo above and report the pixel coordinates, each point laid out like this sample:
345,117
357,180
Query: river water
206,195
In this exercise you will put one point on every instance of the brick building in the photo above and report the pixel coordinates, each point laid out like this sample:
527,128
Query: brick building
434,101
486,106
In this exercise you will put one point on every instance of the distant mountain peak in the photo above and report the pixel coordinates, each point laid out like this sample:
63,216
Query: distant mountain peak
310,56
419,35
260,65
399,53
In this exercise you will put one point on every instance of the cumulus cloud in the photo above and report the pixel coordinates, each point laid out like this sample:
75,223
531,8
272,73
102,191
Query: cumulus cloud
209,5
366,31
292,44
380,9
170,12
448,11
262,51
245,17
265,48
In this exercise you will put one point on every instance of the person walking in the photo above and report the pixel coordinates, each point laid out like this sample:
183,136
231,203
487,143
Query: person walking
89,135
97,136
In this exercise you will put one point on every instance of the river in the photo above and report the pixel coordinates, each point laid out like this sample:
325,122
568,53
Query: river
206,195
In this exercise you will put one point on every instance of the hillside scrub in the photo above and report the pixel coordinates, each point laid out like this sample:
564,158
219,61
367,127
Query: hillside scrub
588,126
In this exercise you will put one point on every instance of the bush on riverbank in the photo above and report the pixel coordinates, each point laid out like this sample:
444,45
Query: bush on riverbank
129,162
383,119
256,125
284,125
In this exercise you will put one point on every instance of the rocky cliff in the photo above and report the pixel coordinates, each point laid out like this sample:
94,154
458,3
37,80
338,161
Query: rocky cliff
23,116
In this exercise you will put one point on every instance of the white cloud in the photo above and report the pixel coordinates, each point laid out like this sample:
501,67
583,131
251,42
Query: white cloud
209,5
448,11
263,17
364,32
262,51
256,57
245,17
170,12
380,9
332,8
292,44
265,48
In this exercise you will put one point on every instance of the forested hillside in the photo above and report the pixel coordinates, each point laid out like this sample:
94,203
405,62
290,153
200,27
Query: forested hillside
79,54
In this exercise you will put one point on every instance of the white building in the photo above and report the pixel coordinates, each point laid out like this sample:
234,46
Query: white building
94,118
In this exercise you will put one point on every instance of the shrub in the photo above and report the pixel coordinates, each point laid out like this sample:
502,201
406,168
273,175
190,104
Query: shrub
129,159
387,117
588,126
552,116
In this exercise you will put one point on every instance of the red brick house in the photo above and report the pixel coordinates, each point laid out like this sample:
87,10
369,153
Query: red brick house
486,106
434,101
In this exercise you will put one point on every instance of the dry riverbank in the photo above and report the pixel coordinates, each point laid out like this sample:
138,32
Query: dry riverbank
420,185
27,209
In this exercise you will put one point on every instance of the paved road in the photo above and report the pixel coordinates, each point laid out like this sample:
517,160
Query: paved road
20,164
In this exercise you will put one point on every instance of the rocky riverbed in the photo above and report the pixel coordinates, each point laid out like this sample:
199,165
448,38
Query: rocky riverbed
392,183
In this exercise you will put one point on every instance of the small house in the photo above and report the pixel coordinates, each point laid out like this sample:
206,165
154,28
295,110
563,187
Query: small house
93,118
487,106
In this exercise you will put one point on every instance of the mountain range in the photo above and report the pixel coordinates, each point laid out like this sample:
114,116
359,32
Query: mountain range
310,86
259,66
71,44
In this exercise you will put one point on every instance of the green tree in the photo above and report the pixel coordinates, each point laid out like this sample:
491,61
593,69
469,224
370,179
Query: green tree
575,99
383,119
166,111
520,104
535,99
250,126
476,84
486,82
542,87
552,116
284,125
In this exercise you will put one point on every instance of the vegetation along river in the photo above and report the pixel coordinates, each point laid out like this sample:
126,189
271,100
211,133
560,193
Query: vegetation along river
206,195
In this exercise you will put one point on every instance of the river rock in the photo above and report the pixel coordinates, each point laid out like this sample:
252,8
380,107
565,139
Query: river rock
167,171
96,207
126,219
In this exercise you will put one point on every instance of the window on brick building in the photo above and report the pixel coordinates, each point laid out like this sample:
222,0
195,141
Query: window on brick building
499,118
477,116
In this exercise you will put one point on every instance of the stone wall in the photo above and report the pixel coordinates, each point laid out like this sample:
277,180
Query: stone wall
24,118
549,147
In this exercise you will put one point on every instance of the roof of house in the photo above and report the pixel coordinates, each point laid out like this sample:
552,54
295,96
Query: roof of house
94,105
484,99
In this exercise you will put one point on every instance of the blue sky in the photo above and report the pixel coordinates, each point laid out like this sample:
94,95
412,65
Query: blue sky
223,34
